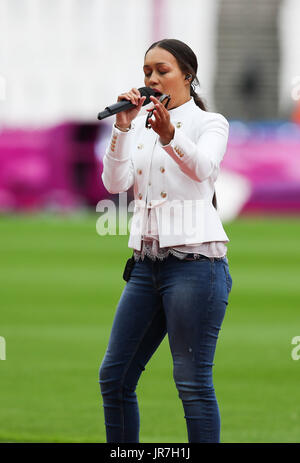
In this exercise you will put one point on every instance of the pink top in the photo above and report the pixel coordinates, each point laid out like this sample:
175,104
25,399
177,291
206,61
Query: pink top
150,245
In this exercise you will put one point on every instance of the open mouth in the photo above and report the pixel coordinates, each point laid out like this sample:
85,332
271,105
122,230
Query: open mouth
158,92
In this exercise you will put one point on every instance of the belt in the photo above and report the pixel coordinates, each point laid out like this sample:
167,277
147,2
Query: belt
203,257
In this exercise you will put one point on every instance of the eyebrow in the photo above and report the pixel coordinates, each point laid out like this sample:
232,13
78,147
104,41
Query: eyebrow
147,65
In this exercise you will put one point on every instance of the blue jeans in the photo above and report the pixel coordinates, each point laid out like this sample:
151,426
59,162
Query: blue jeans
187,300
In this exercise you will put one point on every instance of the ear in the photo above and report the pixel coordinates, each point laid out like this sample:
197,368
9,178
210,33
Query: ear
186,82
188,79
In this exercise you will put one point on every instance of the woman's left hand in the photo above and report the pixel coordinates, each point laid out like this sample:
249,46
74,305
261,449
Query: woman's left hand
161,124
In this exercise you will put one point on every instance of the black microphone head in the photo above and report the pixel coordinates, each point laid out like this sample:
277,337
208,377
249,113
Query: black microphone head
147,92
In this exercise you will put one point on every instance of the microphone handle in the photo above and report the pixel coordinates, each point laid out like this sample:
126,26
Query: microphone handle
115,108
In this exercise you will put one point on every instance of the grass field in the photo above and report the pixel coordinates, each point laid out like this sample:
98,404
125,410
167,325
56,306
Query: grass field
60,284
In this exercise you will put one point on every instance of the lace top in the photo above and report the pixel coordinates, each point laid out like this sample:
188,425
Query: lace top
150,245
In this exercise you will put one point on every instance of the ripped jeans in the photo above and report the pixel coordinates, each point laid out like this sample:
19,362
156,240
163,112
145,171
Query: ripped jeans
187,300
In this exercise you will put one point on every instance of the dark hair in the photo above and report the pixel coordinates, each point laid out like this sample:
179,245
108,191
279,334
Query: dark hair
187,62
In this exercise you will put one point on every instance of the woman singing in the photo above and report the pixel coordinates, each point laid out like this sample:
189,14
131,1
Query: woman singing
180,281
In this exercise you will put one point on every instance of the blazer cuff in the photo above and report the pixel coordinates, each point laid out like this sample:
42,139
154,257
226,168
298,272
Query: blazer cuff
180,147
169,144
185,153
119,145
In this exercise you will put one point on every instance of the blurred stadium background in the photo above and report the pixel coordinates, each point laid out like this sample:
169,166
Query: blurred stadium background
63,61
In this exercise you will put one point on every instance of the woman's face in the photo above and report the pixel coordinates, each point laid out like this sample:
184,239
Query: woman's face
163,73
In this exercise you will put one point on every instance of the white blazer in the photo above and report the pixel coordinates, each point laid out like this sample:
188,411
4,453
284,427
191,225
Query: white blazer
176,179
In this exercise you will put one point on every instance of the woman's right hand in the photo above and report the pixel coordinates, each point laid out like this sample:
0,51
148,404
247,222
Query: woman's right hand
124,118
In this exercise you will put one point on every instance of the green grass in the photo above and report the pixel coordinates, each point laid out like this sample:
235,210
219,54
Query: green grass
60,284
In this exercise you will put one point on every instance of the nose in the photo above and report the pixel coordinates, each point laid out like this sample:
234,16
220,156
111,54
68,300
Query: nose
153,80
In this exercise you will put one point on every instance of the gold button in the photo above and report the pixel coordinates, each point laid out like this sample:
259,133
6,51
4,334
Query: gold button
150,204
140,195
140,146
178,125
139,171
163,194
162,169
178,151
115,137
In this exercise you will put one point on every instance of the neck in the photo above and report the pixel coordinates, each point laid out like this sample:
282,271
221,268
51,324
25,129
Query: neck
180,102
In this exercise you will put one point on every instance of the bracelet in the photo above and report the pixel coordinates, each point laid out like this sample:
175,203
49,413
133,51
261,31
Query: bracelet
123,130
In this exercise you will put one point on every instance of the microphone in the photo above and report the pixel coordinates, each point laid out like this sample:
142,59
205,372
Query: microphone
125,104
